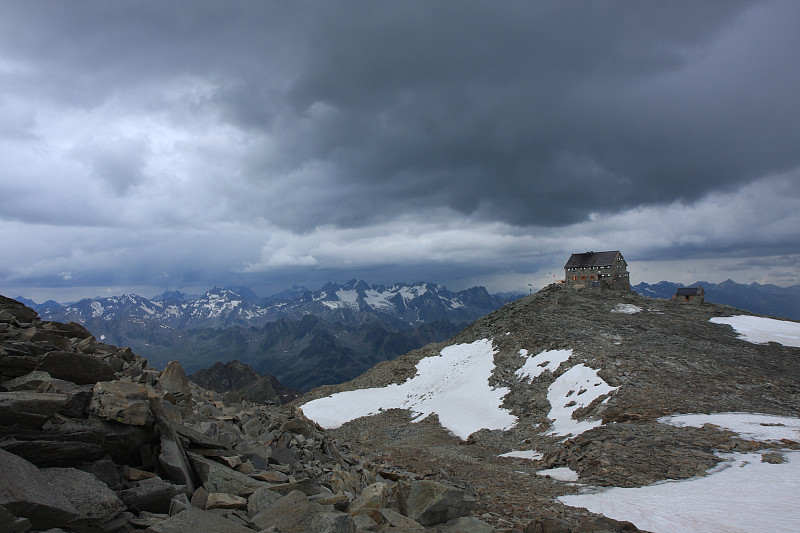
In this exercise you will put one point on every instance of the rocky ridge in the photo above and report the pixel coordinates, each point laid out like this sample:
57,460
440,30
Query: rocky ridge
237,377
92,439
663,358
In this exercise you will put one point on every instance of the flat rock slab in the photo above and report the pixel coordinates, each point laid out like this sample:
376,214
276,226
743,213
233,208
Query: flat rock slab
76,367
432,503
25,493
94,501
121,401
197,521
29,408
295,514
220,478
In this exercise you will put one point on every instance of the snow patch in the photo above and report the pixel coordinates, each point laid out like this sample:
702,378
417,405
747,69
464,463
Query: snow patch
749,426
576,388
628,309
760,330
561,473
533,455
537,365
454,385
745,495
97,309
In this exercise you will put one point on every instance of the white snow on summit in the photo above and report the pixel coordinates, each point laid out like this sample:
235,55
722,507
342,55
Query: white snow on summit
576,388
454,385
750,426
742,494
760,330
537,365
628,309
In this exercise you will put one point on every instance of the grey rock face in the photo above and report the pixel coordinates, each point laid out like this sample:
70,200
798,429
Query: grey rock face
121,401
429,502
76,367
198,521
95,503
24,491
173,379
293,513
219,478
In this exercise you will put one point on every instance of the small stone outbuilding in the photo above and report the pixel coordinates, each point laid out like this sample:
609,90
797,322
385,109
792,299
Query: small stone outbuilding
597,269
689,295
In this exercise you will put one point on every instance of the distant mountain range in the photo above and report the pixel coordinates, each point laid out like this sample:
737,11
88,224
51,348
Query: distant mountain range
304,338
756,298
356,302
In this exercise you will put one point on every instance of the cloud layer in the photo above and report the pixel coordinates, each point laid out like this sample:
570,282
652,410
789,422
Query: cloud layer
160,145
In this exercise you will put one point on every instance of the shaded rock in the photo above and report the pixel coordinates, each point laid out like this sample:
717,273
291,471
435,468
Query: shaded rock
153,495
255,452
465,524
197,521
95,502
29,408
295,514
306,486
171,457
429,502
121,401
179,503
260,499
55,449
11,523
17,362
173,379
29,381
371,498
25,493
219,478
220,500
106,471
395,519
76,367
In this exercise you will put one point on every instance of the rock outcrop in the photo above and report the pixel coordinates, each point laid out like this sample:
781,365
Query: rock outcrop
92,439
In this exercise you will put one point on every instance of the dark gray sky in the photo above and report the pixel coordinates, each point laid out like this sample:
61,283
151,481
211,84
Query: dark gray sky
182,145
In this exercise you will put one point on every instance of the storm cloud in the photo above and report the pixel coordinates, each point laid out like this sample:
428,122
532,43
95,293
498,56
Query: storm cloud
183,145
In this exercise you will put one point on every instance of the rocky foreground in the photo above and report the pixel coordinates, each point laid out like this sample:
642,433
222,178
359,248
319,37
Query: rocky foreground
94,440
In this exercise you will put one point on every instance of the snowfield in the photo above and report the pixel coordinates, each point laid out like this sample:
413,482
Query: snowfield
760,330
533,455
628,309
576,388
742,494
561,473
535,366
454,385
749,426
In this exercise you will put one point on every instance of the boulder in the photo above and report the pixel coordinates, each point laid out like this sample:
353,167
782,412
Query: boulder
429,502
219,478
173,379
121,401
29,408
395,519
465,523
220,500
197,521
12,524
25,493
371,498
29,381
95,503
260,499
153,495
295,514
76,367
172,456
